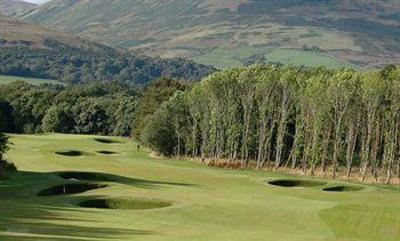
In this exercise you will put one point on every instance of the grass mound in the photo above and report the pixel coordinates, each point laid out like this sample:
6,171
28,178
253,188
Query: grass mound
69,153
108,152
70,189
296,183
125,203
343,189
86,176
106,141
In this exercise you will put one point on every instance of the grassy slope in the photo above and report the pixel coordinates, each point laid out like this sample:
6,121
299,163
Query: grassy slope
10,79
219,205
296,57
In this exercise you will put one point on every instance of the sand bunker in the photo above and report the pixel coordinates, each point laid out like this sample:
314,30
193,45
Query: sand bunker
115,203
73,153
343,189
296,183
107,141
108,152
70,189
85,176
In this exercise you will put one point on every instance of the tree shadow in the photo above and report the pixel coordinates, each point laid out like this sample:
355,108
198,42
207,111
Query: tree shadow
31,222
105,177
26,217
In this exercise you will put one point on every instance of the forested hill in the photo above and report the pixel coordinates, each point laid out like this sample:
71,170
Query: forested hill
15,8
232,32
31,51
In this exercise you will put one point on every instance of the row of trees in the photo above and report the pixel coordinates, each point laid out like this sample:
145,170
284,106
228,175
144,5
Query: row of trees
308,118
100,108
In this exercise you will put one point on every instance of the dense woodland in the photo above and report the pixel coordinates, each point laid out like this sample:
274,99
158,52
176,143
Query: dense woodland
112,108
96,63
99,108
307,118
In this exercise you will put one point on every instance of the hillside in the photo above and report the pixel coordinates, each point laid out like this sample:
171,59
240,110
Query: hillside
31,51
15,8
224,33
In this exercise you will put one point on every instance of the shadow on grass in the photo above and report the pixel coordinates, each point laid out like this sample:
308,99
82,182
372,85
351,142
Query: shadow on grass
24,217
104,177
107,141
40,228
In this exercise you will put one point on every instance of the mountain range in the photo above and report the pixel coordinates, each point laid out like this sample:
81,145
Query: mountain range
362,33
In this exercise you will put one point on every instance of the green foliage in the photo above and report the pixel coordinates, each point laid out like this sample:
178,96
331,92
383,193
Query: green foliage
6,117
156,93
3,145
73,65
107,108
306,117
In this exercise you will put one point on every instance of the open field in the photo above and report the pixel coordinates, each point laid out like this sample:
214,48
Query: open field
225,58
10,79
176,200
298,57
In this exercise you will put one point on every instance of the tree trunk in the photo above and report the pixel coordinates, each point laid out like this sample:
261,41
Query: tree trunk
261,141
351,144
367,145
282,128
325,151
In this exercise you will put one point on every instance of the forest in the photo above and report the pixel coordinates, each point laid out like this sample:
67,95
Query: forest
311,119
111,108
99,108
97,63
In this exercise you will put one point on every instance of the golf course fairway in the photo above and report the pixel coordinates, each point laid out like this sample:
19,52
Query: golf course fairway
107,190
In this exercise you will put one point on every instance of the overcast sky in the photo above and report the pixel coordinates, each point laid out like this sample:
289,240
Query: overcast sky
36,1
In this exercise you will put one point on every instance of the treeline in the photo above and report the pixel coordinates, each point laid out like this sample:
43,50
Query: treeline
6,168
97,108
98,63
307,118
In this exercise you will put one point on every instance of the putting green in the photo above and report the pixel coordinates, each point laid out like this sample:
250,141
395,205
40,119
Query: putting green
205,203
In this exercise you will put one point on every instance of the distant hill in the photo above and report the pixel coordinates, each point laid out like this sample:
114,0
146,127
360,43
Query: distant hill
28,50
14,8
231,32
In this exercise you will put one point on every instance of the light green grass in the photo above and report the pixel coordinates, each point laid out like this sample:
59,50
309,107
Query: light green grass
10,79
208,204
306,58
225,58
